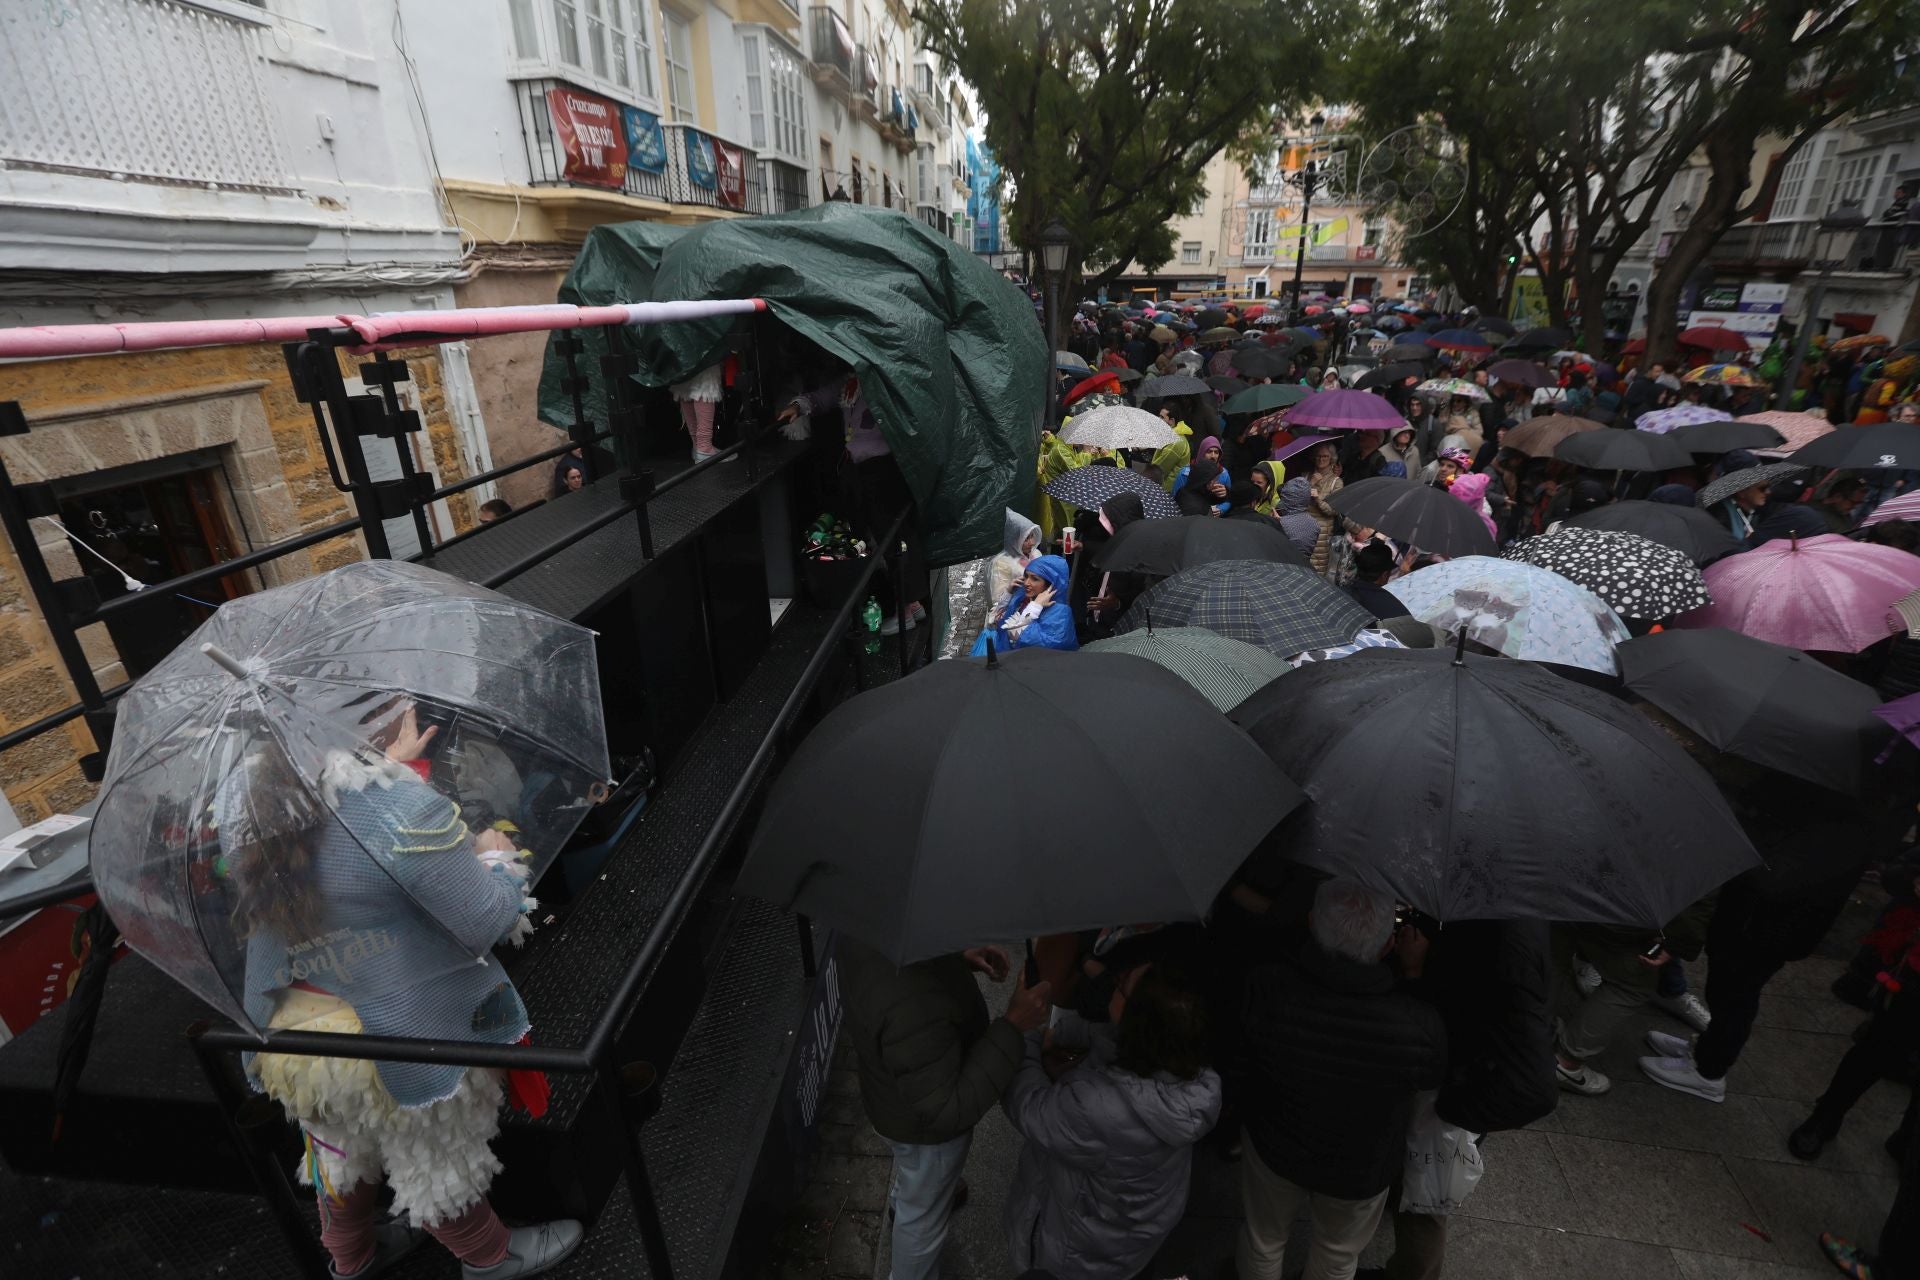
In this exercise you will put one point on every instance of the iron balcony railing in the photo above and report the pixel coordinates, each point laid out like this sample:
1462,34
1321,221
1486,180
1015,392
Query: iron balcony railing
547,158
832,45
701,171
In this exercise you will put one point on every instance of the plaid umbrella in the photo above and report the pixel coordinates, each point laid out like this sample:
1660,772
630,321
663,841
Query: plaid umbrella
1453,387
1723,375
1118,426
1734,481
1637,576
1173,384
1661,421
1798,428
1227,672
1085,488
1282,608
1516,609
1541,434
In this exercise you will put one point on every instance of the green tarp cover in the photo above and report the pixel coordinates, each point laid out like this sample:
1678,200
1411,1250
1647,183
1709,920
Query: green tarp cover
948,352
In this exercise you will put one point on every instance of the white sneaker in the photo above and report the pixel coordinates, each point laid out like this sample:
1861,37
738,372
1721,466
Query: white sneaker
1667,1045
530,1251
1680,1074
890,626
1689,1008
1586,977
1582,1079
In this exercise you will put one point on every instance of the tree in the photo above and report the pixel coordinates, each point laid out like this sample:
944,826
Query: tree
1104,113
1781,69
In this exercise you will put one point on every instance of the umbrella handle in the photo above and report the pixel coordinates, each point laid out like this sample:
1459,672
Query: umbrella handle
226,661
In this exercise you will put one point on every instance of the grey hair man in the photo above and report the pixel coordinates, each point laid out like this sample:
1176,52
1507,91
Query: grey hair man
1338,1050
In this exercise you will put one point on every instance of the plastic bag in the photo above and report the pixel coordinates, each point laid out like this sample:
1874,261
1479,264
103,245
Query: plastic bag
1443,1163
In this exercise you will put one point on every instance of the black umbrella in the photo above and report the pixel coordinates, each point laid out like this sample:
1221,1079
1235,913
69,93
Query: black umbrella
1167,547
1520,373
1172,384
1127,375
1261,363
1622,451
972,823
1418,514
1539,340
1762,702
1411,353
1226,386
1688,530
94,937
1745,478
1283,608
1388,375
1591,814
1891,446
1211,318
1725,437
1085,488
1267,397
1493,324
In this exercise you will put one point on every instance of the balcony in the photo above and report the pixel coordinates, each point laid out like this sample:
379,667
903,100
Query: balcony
547,161
1765,244
866,86
707,170
894,125
937,218
785,185
152,91
926,99
834,61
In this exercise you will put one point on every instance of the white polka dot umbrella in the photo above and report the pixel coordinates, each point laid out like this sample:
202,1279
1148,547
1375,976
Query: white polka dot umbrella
1639,577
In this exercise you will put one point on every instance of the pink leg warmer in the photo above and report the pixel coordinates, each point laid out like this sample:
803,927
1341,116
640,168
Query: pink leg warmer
477,1236
346,1226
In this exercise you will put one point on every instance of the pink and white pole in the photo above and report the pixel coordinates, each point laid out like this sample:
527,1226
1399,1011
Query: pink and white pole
409,328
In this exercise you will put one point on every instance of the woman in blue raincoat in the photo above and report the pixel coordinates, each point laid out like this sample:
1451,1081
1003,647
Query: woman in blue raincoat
1038,616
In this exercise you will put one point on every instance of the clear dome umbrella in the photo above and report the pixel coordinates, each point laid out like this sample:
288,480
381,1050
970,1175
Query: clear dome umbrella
328,780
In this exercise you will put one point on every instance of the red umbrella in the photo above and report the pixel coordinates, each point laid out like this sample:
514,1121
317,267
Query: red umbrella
1108,381
1713,337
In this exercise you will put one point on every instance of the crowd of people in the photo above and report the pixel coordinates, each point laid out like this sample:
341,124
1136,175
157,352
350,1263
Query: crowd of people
1312,1028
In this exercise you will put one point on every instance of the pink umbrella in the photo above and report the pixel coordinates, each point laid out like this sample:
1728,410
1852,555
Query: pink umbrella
1359,309
1344,410
1661,421
1798,428
1904,507
1828,592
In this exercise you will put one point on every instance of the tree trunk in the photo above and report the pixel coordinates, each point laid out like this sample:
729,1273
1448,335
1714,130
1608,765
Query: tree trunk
1729,162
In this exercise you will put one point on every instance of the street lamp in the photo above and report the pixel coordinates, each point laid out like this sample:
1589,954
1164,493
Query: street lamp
1306,180
1833,240
1055,244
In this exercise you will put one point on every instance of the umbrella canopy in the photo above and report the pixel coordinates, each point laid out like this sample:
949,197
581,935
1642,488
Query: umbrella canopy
1827,592
1225,384
1608,821
1762,702
1688,530
1411,353
1118,426
1226,672
1494,324
1388,375
1169,546
1661,421
1723,375
1418,514
1219,334
1546,339
1516,609
1344,410
1860,341
1304,334
1267,397
1540,435
1724,437
1068,362
1270,320
1904,507
1640,578
1467,340
274,722
1128,375
1299,444
1520,373
1282,608
1798,428
1734,481
1172,384
1622,451
1713,337
1085,488
1258,362
1359,308
956,842
1453,387
1880,445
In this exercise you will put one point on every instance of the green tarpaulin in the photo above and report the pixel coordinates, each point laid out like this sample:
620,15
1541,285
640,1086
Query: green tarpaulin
948,352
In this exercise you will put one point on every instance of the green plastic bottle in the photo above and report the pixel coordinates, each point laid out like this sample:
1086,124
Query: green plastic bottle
871,617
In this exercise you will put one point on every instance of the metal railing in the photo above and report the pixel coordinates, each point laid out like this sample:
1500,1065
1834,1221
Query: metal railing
705,169
832,47
547,159
786,186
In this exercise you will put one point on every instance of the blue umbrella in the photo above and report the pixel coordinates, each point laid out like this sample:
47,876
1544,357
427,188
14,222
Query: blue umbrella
1460,340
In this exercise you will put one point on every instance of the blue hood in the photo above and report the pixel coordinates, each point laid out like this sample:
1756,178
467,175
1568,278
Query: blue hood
1054,570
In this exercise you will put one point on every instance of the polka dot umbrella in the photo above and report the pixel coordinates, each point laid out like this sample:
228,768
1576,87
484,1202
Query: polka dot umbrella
1637,576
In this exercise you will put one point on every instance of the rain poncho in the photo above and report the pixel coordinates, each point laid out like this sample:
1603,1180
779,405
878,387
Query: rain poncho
1046,623
1057,457
1171,462
1014,555
1269,503
1472,490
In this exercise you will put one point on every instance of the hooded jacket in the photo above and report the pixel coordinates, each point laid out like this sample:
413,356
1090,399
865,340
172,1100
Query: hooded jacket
1051,629
1104,1170
1011,562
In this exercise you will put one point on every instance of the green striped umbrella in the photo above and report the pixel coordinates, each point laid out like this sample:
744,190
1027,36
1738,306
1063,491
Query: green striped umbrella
1226,671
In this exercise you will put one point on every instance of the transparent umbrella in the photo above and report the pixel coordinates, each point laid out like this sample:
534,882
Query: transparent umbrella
329,781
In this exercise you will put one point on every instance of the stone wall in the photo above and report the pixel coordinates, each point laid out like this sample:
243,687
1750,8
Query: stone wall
100,412
506,377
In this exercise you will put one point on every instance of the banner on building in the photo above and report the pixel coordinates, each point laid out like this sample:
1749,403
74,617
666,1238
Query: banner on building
646,141
1529,309
730,173
1753,311
699,158
586,129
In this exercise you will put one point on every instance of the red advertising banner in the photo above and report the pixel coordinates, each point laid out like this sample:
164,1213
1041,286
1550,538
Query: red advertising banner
730,171
587,130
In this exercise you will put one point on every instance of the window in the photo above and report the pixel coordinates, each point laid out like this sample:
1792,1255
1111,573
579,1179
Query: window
600,44
1374,234
597,39
679,47
924,154
1190,253
1857,178
642,50
859,192
827,176
1260,233
526,32
777,91
566,22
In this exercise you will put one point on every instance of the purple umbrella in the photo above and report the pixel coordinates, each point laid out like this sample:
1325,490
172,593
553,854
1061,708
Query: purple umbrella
1661,421
1904,715
1344,410
1460,340
1300,444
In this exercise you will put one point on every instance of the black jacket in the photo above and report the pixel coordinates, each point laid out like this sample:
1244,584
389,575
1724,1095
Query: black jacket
1337,1053
1376,599
1493,985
